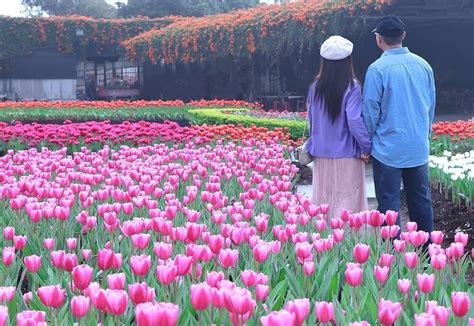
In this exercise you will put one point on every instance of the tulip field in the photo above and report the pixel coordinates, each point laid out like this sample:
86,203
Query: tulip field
143,223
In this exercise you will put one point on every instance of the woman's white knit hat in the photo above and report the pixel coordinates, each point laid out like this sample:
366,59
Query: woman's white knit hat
336,48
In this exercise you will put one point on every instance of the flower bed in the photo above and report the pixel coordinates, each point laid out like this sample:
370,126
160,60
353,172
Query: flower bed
184,233
219,116
457,136
97,134
115,111
299,116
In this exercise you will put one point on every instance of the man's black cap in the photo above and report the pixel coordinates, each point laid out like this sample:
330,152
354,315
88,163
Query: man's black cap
390,26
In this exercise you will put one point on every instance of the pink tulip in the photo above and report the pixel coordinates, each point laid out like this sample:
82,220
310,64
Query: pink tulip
460,303
425,319
412,226
8,233
82,276
438,261
86,254
80,306
386,260
19,242
261,292
441,313
354,275
425,282
166,274
201,296
239,301
52,296
361,253
140,264
141,240
388,312
7,293
228,257
163,314
437,237
278,318
381,274
163,250
309,268
3,315
375,219
461,237
69,262
261,252
105,259
117,301
8,255
399,245
404,286
141,293
116,281
300,309
411,259
303,250
27,297
57,258
71,243
49,243
391,217
324,311
249,278
32,263
30,318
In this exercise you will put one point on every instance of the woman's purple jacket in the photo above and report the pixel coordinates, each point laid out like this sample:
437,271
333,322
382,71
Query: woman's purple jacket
345,137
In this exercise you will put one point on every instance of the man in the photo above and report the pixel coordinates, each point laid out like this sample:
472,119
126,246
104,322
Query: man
399,103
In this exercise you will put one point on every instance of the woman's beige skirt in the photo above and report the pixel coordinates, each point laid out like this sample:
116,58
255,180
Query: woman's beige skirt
340,182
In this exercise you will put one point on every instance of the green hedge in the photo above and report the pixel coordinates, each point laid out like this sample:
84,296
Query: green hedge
45,115
218,117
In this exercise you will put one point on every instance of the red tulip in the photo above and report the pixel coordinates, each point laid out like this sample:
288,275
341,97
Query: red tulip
80,306
51,296
324,311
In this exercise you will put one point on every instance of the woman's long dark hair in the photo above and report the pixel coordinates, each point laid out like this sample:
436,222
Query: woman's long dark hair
331,84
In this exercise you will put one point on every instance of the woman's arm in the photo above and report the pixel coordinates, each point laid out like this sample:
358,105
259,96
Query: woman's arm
309,101
354,119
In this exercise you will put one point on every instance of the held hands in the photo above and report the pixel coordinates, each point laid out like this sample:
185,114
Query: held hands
365,158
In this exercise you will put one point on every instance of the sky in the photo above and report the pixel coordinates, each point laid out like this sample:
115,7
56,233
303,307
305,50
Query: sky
14,7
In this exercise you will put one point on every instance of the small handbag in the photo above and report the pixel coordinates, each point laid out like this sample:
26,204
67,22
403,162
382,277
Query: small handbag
301,152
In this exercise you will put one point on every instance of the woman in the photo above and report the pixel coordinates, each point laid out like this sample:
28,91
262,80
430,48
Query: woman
339,140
